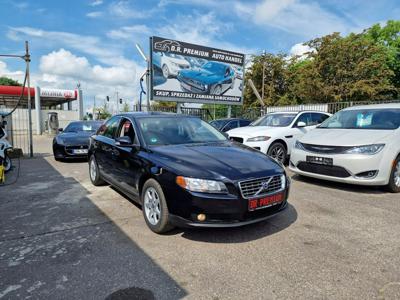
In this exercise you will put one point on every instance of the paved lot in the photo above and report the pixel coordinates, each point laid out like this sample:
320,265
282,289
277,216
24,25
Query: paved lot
62,238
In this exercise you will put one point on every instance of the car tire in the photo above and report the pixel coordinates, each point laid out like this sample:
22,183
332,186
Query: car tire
154,207
7,163
165,71
278,152
94,172
394,180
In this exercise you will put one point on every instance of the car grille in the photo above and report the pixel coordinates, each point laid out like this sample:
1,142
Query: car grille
236,139
325,149
69,149
254,188
192,82
334,171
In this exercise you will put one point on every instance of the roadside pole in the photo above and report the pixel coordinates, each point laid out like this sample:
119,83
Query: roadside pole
229,115
27,60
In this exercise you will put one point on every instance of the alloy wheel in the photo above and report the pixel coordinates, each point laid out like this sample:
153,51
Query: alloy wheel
165,71
7,164
396,176
152,206
218,90
278,153
93,169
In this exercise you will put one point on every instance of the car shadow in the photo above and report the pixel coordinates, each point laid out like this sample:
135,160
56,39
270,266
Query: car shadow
56,243
241,234
341,186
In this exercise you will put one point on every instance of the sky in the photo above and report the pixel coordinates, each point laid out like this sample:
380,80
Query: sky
92,42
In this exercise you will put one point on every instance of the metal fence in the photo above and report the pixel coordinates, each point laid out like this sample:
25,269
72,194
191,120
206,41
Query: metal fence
219,112
17,128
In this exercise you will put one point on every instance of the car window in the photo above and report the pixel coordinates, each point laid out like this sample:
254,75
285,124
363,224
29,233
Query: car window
231,125
306,118
244,123
126,129
275,120
109,128
318,118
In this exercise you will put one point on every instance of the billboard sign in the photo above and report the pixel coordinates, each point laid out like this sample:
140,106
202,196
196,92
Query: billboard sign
184,72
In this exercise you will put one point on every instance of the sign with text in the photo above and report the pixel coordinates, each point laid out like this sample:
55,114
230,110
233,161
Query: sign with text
184,72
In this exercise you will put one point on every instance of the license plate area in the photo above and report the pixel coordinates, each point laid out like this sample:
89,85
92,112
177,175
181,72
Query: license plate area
80,151
326,161
264,202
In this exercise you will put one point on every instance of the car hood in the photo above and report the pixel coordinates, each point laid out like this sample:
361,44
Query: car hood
75,138
253,131
201,75
345,137
216,161
179,61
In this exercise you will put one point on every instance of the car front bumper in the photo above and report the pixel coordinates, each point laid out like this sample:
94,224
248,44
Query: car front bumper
66,152
220,211
349,166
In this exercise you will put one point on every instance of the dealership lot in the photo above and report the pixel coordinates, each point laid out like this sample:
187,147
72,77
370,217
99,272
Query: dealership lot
60,237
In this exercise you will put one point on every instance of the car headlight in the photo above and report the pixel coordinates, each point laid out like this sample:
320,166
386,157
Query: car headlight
367,149
59,140
258,139
206,86
174,64
299,145
201,185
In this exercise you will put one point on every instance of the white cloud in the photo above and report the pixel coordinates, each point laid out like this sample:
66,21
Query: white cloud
129,32
94,14
300,49
123,9
96,2
6,72
307,19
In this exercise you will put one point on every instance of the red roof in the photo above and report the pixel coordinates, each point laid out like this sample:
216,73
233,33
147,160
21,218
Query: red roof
15,90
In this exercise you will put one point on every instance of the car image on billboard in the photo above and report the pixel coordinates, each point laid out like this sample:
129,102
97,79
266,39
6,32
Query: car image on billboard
185,72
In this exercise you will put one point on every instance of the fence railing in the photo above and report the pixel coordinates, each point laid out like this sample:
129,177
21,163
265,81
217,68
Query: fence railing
219,112
17,128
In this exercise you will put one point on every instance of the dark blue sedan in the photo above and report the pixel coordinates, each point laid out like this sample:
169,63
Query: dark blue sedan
184,172
212,78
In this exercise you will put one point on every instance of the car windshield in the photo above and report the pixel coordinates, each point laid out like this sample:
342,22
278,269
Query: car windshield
214,67
178,130
274,120
388,119
83,126
218,123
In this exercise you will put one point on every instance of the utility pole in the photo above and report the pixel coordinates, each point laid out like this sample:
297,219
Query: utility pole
117,103
28,59
263,76
94,107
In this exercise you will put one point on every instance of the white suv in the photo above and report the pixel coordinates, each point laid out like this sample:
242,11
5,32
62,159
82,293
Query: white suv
274,134
358,145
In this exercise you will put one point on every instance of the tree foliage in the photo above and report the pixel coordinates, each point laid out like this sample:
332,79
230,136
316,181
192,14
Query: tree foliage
8,81
356,67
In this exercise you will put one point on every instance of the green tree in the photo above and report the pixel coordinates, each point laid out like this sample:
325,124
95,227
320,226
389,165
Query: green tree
103,112
8,81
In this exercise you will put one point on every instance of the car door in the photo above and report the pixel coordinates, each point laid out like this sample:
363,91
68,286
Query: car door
104,145
318,118
298,132
127,160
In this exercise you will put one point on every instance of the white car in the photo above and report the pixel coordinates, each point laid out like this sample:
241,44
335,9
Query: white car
358,145
274,134
170,63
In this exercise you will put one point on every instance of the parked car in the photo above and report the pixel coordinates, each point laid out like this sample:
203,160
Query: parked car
238,72
169,63
184,172
212,78
224,125
274,134
73,141
359,145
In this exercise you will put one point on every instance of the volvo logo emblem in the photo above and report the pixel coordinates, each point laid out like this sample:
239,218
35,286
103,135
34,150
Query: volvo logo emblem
263,187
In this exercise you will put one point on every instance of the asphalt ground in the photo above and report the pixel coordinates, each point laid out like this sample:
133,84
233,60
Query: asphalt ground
62,238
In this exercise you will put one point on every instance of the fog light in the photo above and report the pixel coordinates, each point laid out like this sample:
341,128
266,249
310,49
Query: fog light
368,174
201,217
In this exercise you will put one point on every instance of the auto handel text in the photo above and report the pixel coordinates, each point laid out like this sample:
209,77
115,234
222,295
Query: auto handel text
193,96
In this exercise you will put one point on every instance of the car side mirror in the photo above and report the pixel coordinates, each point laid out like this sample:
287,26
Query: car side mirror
125,141
301,124
60,129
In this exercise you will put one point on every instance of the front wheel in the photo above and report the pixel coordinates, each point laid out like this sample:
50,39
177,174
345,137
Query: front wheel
278,152
165,71
94,172
7,163
394,180
154,207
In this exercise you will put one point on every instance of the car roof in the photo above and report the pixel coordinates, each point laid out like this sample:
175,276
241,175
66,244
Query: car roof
230,119
375,106
153,114
298,112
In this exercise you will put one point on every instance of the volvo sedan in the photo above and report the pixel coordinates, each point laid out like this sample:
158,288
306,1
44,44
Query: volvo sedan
184,172
358,145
